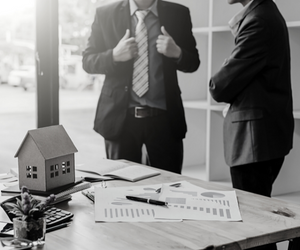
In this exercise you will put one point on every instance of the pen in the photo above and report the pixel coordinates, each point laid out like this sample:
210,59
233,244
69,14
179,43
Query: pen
50,229
150,201
90,196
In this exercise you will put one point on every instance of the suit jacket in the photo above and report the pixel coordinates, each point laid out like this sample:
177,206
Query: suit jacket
109,27
256,81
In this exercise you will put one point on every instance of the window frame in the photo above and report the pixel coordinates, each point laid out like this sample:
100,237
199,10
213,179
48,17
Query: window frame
47,63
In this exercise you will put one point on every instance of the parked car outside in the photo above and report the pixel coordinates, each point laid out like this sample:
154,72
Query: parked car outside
23,77
71,76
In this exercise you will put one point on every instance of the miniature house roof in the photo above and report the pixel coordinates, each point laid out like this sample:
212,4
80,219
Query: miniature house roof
52,141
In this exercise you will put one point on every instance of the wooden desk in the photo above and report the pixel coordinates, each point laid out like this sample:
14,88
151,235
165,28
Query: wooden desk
260,225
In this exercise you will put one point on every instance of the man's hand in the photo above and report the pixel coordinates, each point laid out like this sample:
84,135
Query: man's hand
166,45
126,49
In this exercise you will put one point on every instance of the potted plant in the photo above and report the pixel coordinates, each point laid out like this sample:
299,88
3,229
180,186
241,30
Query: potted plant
30,222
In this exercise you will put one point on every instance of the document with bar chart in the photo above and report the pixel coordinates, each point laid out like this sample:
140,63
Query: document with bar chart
111,204
199,204
185,202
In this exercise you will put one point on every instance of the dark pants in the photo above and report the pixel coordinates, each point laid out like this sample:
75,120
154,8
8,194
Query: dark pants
257,178
163,150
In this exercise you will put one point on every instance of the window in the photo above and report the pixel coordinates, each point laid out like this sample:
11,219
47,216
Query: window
23,106
17,77
79,91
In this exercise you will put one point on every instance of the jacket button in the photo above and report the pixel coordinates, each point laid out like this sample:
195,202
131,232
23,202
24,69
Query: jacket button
126,88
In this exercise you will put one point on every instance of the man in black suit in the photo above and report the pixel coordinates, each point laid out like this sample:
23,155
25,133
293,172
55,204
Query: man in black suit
255,80
156,118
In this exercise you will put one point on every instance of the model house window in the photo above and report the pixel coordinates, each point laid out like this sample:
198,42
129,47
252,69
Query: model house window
29,170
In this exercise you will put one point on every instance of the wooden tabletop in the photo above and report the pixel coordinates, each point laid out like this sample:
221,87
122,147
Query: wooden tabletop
261,225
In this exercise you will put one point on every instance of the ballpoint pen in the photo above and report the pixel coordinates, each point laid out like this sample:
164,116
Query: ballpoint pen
145,200
59,226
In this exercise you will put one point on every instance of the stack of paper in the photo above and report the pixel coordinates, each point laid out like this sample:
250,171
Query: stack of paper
7,178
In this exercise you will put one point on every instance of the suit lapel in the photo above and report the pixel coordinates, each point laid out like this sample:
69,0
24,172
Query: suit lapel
124,19
122,23
252,6
163,16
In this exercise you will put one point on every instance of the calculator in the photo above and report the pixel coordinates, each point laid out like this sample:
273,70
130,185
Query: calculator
54,216
57,216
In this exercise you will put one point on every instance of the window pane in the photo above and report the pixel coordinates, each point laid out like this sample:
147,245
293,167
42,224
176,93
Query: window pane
17,77
79,92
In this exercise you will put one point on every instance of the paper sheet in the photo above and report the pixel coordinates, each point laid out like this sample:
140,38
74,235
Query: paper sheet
185,202
195,203
111,204
7,178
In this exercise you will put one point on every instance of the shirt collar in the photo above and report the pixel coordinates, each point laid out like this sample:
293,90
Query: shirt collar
233,23
134,8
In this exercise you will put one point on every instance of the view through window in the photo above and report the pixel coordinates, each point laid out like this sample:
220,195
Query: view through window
17,77
79,91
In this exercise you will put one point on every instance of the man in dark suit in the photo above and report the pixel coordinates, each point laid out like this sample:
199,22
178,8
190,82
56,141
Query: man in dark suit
255,80
155,118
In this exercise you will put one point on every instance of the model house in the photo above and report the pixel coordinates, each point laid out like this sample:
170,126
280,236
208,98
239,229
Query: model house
46,159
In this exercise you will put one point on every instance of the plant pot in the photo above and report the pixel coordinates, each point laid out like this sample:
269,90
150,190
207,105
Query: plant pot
33,230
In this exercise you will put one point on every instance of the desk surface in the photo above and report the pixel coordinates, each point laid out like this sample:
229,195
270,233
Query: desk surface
259,226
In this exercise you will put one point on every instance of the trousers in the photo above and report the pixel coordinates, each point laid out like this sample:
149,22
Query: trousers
258,178
163,150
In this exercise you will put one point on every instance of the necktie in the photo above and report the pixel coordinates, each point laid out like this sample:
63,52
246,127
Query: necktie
140,84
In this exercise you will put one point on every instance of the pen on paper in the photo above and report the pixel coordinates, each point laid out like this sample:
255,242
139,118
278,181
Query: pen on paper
145,200
50,229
